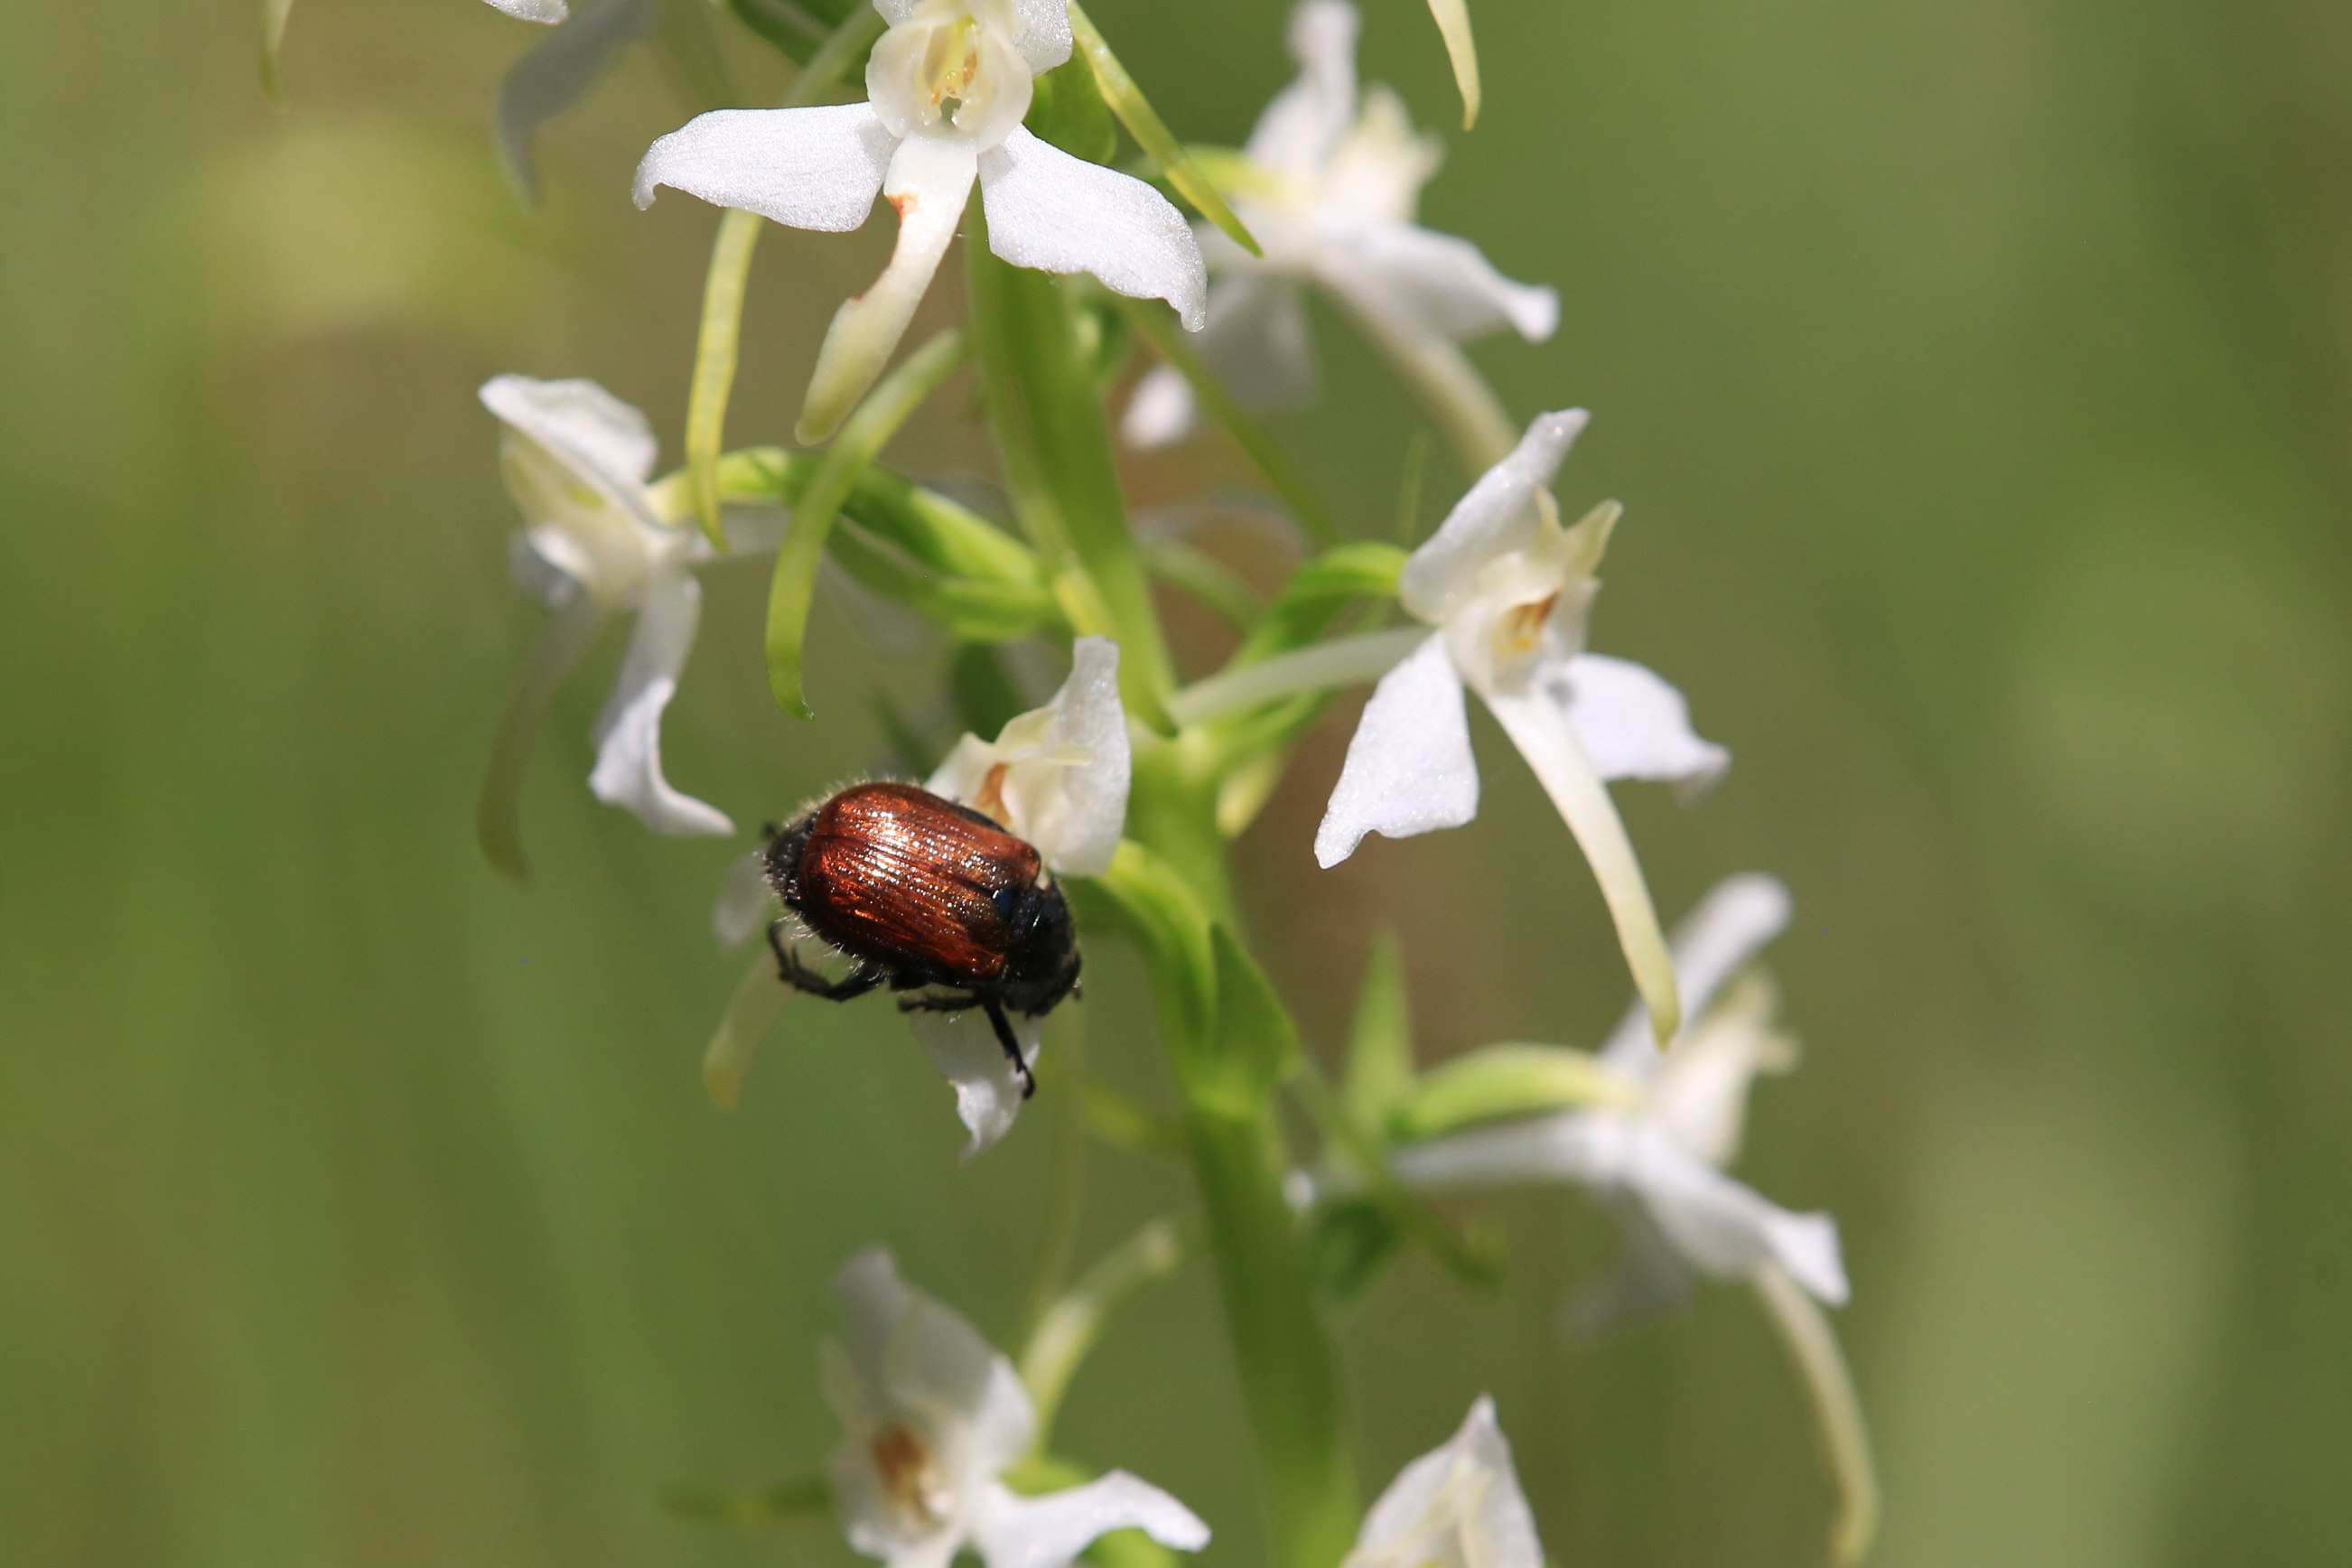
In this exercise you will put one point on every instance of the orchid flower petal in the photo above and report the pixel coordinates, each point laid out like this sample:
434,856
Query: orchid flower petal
607,443
1049,1532
1699,1093
914,1354
548,11
1448,283
1056,775
1162,410
1060,214
1648,1278
1305,123
1255,342
1713,942
747,900
1082,822
1460,1503
1539,728
1498,514
1633,724
805,168
551,78
929,179
964,1048
628,772
1410,768
1041,29
1725,1227
1568,1146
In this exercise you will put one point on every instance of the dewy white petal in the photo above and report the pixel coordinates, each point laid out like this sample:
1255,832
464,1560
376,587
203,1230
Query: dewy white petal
606,441
805,168
1633,724
1542,735
1713,942
1304,125
1459,1505
1408,769
1049,1532
548,11
747,900
1059,213
1041,31
1077,825
1725,1227
963,1048
929,178
1497,515
1451,286
1056,775
628,772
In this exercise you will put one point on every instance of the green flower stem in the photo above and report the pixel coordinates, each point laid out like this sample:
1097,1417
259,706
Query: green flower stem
862,436
721,330
1232,1045
1052,441
1154,322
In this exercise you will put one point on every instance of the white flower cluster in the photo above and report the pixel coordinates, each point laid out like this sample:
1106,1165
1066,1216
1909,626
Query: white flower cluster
940,1433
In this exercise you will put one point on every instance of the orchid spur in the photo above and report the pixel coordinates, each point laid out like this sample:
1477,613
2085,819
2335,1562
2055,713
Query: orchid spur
932,1416
552,76
1327,183
599,540
947,88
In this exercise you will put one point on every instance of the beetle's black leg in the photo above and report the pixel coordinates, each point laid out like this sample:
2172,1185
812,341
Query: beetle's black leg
1003,1027
800,977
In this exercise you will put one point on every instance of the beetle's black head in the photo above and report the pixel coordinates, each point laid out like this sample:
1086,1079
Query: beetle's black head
1041,964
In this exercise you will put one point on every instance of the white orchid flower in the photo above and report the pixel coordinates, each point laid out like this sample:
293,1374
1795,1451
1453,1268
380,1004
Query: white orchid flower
1457,1506
1507,591
931,1418
1057,776
1329,183
1659,1157
548,11
597,543
946,86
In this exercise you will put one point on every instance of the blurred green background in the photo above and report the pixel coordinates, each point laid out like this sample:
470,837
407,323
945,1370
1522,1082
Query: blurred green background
1976,378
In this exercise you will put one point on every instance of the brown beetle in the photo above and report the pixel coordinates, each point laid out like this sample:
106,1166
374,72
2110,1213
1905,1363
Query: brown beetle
924,895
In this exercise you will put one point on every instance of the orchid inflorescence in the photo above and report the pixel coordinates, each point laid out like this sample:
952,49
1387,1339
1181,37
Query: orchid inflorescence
1131,783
